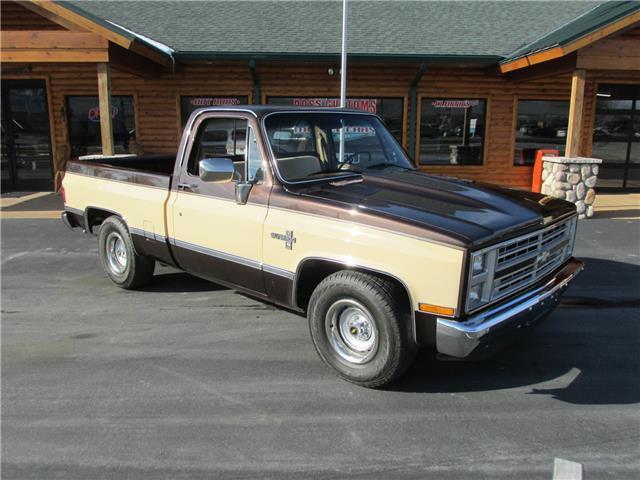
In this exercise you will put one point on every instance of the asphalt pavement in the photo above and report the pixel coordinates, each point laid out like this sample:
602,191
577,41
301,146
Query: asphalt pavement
187,379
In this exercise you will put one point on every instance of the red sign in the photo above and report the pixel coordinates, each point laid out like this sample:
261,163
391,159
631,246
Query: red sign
94,113
454,103
214,101
369,105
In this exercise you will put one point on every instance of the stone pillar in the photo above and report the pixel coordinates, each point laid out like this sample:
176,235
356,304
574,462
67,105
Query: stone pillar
572,179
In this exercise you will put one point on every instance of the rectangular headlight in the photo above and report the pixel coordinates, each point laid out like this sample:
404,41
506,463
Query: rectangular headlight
478,263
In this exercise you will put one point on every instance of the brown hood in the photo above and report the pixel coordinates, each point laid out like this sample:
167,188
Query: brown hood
468,213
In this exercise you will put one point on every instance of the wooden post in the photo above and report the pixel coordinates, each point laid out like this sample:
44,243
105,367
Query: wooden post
104,96
576,107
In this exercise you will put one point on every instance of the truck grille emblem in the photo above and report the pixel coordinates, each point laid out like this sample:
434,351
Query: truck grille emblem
288,238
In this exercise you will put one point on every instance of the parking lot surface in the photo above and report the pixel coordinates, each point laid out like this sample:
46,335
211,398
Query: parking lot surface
187,379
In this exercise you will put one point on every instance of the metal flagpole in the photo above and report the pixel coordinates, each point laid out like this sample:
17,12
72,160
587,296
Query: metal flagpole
343,74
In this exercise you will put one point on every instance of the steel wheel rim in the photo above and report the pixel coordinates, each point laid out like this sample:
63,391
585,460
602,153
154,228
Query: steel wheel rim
351,331
116,253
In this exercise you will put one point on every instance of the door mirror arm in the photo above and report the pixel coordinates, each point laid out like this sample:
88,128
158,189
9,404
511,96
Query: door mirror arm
243,189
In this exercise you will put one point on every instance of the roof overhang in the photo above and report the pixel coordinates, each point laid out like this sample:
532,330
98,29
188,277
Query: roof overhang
79,21
560,49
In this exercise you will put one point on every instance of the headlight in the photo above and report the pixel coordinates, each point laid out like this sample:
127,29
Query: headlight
481,267
477,263
475,293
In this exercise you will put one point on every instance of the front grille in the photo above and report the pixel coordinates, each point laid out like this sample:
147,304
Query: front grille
524,260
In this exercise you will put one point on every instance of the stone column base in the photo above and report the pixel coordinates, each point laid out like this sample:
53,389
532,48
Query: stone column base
572,179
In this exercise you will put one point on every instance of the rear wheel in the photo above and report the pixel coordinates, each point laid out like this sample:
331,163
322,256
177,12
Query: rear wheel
122,264
359,330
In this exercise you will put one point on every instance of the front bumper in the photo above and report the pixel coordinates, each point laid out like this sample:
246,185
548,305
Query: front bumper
482,333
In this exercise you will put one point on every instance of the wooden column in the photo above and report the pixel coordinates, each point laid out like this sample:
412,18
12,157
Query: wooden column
576,107
104,96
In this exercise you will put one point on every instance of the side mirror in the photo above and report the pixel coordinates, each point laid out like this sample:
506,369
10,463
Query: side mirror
216,170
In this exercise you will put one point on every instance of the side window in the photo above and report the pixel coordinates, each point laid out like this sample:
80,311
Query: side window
254,160
220,138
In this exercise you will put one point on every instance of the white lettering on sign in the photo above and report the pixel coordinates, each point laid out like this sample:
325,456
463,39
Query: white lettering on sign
369,105
214,101
454,103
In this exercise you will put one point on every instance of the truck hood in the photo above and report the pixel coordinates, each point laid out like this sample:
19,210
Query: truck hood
472,213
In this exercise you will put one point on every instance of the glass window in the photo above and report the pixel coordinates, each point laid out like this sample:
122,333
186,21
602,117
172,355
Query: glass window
220,138
83,119
191,103
389,109
313,146
616,134
254,160
541,124
452,131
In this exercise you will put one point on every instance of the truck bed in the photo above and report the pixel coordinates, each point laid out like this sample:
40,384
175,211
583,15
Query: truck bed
150,170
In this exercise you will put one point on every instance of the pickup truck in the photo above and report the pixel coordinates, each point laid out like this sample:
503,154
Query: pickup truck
320,211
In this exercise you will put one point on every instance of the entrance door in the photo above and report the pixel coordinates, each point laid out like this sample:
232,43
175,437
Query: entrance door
616,136
26,140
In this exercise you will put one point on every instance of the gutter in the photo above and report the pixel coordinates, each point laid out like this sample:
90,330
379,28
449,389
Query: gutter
257,95
435,59
413,110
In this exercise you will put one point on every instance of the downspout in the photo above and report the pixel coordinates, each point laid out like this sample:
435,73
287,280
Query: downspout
413,109
257,95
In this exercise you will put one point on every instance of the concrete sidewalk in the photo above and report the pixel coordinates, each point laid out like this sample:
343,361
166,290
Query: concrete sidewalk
43,205
37,205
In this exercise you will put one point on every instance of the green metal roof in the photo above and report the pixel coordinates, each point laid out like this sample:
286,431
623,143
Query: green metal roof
592,20
461,31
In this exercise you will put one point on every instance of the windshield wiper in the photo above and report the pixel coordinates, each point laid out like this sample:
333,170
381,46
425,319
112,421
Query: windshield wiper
382,165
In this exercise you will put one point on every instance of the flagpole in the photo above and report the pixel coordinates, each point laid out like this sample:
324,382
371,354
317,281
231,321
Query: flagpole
343,74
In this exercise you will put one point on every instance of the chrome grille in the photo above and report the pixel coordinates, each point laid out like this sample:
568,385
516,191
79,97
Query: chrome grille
515,264
524,260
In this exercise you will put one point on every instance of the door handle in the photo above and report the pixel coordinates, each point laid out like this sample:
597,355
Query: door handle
186,186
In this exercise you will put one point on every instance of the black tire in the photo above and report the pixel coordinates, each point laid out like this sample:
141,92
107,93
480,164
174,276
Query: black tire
352,301
130,270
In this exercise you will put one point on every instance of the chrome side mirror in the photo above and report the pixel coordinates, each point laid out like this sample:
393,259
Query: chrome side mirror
216,170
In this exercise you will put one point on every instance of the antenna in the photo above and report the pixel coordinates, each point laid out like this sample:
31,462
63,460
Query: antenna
343,75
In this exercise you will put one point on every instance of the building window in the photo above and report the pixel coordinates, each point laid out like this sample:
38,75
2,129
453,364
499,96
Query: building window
452,131
83,119
541,124
389,109
190,103
616,135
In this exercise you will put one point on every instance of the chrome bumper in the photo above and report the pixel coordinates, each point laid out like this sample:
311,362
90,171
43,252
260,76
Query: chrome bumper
498,324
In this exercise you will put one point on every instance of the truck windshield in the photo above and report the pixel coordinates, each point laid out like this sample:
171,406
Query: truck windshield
311,146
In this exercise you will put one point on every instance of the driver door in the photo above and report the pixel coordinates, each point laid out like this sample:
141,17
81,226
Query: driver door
214,237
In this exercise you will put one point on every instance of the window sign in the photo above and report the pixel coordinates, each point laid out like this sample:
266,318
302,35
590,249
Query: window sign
452,131
541,124
83,120
389,109
191,103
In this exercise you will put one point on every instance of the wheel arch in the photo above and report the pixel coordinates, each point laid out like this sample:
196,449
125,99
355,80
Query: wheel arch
312,270
94,216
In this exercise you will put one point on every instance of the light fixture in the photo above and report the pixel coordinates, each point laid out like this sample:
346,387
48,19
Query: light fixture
607,95
330,71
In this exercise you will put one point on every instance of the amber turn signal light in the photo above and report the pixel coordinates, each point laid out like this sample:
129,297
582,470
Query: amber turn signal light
435,309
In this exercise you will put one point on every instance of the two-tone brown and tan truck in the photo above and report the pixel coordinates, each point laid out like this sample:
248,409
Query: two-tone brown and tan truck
322,212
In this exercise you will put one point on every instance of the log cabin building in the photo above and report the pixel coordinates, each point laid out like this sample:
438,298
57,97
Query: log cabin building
471,89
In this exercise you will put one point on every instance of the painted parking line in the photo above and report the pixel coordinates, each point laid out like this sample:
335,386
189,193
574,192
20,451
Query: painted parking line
30,215
8,201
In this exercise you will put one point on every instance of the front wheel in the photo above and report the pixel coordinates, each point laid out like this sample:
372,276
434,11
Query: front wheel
359,330
122,264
